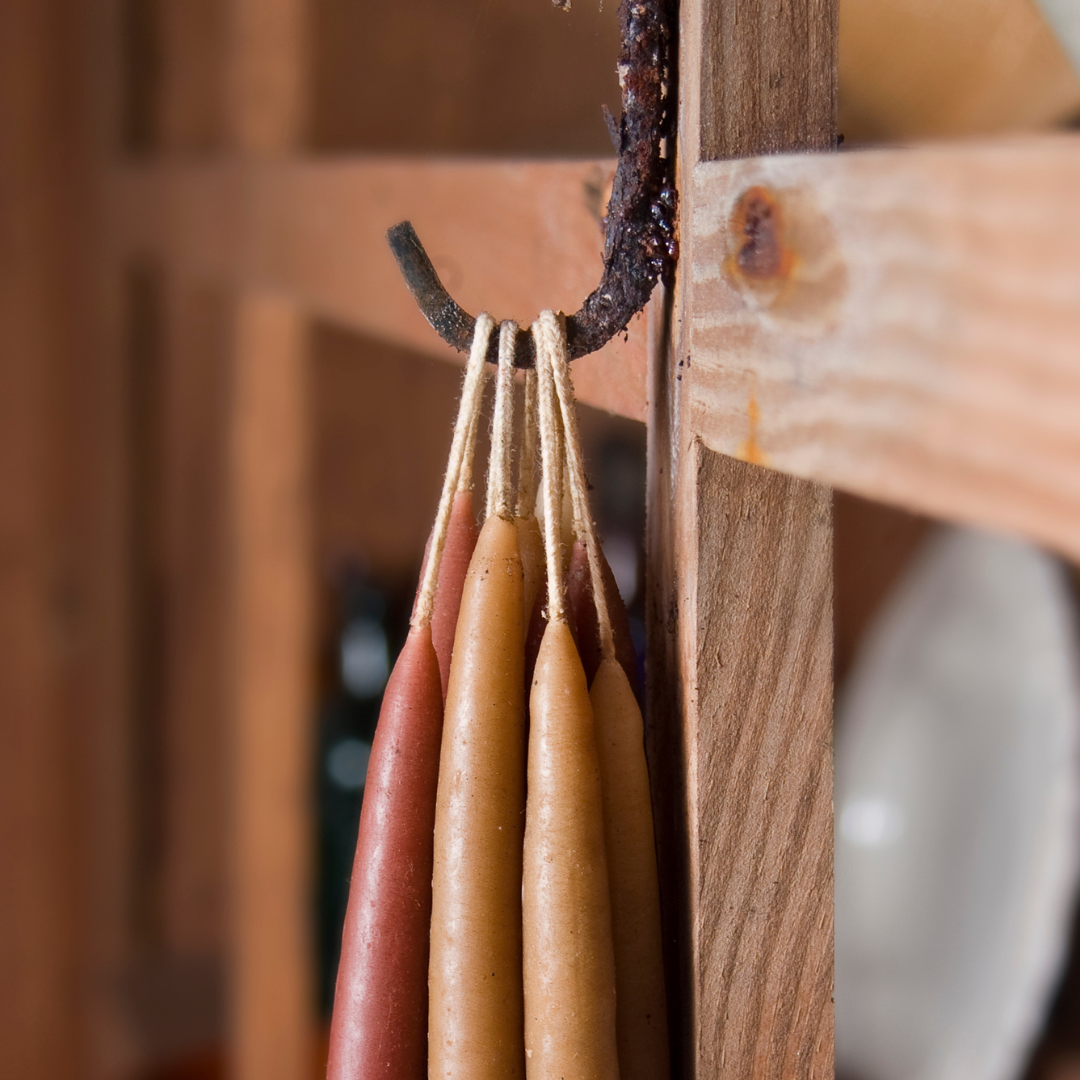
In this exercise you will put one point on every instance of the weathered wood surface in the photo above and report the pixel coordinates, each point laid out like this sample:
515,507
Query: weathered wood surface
740,620
772,103
272,623
511,237
913,334
763,698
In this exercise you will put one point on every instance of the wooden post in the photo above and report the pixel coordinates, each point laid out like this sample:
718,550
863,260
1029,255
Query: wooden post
271,981
39,898
271,995
740,612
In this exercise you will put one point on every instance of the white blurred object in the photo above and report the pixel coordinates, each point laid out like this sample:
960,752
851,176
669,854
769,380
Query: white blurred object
365,658
1064,19
956,809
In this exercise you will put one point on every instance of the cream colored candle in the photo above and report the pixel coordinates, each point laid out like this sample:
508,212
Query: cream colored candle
569,960
634,886
475,1022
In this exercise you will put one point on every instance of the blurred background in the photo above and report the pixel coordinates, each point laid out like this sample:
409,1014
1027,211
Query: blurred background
117,757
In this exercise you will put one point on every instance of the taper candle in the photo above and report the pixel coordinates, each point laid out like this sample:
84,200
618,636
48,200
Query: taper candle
378,1030
641,1011
475,1026
569,971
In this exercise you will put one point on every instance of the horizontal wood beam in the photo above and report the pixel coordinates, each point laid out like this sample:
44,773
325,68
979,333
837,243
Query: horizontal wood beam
904,324
917,340
509,237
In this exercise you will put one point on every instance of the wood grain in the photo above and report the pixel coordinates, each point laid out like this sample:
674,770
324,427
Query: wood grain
920,347
272,628
740,633
764,771
759,98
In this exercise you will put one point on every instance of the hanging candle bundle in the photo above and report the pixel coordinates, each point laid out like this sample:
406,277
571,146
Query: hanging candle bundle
503,917
542,953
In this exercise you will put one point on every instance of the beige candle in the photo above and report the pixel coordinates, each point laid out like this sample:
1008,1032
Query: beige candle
568,961
634,886
475,1023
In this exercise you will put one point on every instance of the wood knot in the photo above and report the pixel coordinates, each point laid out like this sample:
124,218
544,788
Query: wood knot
758,226
782,257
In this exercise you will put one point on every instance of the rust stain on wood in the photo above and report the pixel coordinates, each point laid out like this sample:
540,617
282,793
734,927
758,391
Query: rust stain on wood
748,448
757,225
783,257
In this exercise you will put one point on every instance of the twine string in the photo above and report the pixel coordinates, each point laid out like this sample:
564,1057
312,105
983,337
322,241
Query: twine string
500,462
584,526
459,462
547,333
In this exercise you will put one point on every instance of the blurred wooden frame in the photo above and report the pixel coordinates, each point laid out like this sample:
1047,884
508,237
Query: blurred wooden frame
912,335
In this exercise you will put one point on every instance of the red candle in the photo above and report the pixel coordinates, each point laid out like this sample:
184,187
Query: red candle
379,1026
460,541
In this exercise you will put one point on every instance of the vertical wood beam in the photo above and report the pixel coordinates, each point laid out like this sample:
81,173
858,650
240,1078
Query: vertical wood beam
740,613
266,76
271,944
42,599
271,993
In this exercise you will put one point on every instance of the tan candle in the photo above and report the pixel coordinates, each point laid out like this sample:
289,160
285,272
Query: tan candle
569,963
475,1022
634,885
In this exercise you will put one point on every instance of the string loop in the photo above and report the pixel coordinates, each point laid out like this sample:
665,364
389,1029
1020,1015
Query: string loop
458,467
547,334
502,427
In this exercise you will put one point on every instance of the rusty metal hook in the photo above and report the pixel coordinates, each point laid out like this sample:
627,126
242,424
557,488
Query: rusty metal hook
640,245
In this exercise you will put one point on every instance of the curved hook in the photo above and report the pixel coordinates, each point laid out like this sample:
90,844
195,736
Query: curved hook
639,246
